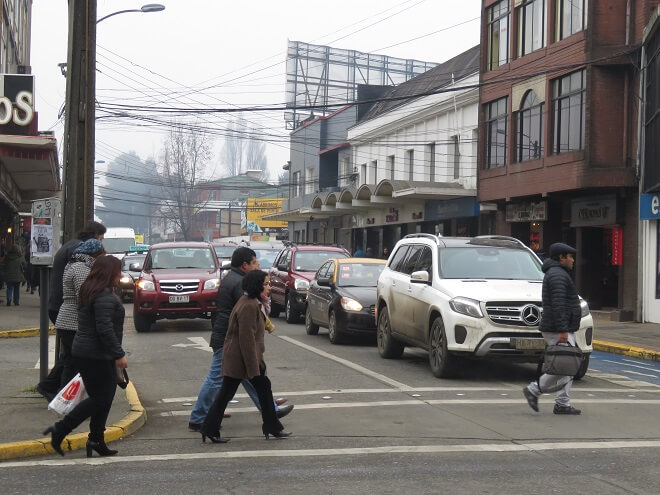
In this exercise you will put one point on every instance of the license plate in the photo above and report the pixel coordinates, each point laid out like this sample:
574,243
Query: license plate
528,344
179,299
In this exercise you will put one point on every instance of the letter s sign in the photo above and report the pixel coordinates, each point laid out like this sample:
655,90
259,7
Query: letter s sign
24,111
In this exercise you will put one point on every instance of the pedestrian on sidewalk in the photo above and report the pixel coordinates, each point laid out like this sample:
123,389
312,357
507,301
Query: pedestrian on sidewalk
243,260
559,321
50,385
97,354
14,268
243,358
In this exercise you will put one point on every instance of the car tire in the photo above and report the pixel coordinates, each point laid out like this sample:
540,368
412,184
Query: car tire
142,322
335,335
291,317
583,367
275,309
388,347
443,363
310,327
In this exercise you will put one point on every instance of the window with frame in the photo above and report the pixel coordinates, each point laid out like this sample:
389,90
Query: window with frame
498,34
430,158
569,108
530,133
410,164
397,259
531,26
571,17
390,167
363,173
413,255
310,182
374,171
496,132
295,183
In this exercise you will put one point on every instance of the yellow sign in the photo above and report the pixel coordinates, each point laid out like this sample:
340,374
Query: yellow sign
139,238
257,208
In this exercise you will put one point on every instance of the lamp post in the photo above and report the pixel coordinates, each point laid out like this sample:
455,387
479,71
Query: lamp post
79,134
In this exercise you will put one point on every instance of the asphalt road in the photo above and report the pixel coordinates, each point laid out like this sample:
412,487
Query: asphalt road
363,424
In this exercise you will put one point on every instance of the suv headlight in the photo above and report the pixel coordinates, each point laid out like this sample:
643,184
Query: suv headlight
584,308
211,284
125,279
350,304
146,285
301,284
466,306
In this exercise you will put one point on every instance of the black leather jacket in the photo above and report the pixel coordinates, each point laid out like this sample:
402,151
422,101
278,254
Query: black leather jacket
229,293
561,305
100,328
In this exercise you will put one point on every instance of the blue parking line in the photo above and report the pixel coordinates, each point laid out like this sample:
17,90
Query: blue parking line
630,367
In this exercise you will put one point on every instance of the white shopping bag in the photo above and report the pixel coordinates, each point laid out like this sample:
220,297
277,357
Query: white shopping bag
69,397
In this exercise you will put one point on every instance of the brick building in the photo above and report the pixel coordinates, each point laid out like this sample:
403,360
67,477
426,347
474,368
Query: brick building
559,103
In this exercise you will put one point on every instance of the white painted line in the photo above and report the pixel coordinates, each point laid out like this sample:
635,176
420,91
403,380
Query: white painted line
51,353
632,365
212,452
638,373
348,364
197,343
422,402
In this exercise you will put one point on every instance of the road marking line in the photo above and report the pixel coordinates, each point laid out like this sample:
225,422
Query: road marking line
422,402
197,343
387,449
631,365
51,353
638,373
348,364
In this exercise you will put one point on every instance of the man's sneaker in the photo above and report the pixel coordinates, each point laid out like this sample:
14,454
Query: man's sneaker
194,426
532,399
566,410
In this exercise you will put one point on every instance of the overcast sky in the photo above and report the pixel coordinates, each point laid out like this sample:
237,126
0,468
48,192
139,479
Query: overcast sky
224,54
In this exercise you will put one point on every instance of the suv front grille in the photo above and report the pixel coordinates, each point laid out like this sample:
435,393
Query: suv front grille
515,313
179,286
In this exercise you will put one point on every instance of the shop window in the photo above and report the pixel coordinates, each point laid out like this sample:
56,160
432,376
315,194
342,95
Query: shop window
530,132
531,26
568,101
496,116
571,17
498,34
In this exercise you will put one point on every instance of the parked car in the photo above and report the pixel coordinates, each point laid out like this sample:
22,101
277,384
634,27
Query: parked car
266,255
178,280
290,274
131,266
342,298
465,297
223,251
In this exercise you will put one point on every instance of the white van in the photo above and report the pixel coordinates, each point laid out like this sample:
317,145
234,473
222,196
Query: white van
118,241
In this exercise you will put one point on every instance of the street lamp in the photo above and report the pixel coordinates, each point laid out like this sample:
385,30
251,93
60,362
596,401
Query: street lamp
79,130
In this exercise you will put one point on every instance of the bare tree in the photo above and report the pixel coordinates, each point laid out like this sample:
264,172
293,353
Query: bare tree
234,146
184,158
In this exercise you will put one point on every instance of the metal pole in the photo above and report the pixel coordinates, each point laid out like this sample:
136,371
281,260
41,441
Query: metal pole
43,322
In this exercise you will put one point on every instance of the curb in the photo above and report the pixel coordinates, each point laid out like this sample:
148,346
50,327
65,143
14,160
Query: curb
129,424
24,332
626,350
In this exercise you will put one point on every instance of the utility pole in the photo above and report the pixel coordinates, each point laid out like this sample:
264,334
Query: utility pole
80,114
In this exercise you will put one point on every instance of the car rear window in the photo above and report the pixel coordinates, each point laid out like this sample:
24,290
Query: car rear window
266,257
224,251
489,263
311,261
127,261
172,258
358,274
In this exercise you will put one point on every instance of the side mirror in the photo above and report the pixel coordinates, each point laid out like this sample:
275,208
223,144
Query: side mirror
226,265
420,277
323,282
135,267
283,267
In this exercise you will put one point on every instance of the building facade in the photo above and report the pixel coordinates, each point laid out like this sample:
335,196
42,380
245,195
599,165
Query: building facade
558,134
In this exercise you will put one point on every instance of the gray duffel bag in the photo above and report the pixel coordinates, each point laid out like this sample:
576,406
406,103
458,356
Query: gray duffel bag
562,359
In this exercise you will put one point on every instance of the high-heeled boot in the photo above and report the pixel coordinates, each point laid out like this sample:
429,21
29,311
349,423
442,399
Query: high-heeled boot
214,437
58,432
276,434
97,442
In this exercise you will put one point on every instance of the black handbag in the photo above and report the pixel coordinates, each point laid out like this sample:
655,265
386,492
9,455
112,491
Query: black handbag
562,359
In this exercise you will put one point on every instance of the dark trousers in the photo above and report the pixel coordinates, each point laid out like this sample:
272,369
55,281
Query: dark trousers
64,369
229,386
100,379
13,292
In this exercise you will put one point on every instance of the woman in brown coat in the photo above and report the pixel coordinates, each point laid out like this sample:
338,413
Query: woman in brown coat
243,357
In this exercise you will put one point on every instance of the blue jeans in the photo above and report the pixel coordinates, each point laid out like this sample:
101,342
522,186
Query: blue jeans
211,387
14,287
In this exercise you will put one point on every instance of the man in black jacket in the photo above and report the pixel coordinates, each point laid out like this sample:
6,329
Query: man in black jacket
50,385
243,260
559,321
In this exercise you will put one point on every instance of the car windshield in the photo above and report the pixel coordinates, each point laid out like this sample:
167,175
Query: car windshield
117,244
129,260
182,258
266,257
359,274
224,251
310,261
489,263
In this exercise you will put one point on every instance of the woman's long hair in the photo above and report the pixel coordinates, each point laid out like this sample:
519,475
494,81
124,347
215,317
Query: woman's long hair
103,275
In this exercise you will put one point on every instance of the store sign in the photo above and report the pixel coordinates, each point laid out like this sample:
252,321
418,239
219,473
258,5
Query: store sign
593,212
16,103
527,212
649,207
617,246
451,208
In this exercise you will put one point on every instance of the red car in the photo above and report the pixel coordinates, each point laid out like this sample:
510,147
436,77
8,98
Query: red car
178,280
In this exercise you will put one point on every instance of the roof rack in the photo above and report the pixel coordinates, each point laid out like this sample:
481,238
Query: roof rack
295,243
502,238
436,238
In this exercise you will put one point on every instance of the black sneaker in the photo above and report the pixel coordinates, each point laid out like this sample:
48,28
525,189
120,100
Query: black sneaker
194,426
532,399
45,393
566,410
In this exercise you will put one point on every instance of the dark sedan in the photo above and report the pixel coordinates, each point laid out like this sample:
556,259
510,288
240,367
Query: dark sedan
342,297
131,266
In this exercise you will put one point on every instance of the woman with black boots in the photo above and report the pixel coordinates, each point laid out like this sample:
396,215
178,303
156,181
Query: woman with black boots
243,357
97,355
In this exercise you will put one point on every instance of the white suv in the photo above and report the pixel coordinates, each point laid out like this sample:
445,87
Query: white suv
476,297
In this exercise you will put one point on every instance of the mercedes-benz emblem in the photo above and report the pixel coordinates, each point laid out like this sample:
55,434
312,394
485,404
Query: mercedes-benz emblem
531,315
179,287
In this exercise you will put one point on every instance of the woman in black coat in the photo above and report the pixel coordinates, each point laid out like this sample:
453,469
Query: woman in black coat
97,355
